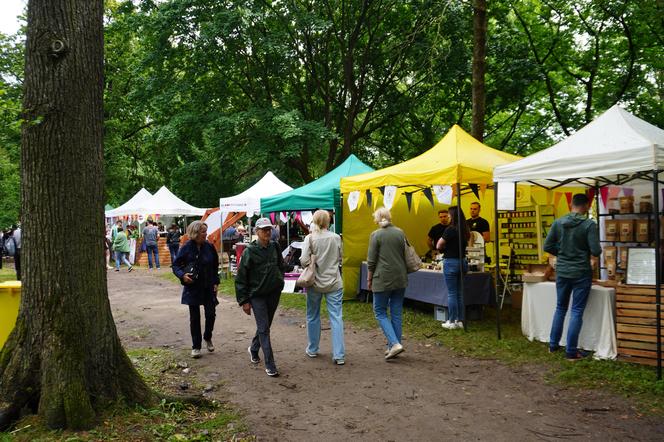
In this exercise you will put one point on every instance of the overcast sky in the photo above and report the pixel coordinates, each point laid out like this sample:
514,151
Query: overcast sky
9,10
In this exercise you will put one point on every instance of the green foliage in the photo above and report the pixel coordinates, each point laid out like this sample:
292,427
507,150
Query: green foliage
11,74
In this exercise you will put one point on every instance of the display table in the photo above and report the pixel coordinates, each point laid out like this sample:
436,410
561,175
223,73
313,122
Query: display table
598,333
429,286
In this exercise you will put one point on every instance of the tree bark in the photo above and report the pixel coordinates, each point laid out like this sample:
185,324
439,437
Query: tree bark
479,68
64,359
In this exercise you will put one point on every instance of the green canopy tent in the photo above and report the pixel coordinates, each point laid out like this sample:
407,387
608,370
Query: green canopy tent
320,194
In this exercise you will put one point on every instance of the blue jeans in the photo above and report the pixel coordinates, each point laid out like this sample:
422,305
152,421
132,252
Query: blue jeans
391,326
173,249
121,256
578,289
452,273
153,249
333,301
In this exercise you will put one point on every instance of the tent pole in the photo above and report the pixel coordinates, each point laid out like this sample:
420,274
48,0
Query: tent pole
287,229
658,273
461,259
496,250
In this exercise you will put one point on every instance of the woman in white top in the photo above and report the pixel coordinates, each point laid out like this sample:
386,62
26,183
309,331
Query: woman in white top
326,246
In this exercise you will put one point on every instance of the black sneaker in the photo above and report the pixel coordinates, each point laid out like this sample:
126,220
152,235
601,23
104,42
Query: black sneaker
272,372
553,349
253,356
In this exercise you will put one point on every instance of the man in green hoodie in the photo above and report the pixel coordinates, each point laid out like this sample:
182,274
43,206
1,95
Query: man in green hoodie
258,286
573,239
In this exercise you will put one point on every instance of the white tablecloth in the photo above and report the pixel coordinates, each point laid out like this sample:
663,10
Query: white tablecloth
598,333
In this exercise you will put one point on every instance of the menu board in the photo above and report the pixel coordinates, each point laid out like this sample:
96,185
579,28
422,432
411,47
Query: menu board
641,264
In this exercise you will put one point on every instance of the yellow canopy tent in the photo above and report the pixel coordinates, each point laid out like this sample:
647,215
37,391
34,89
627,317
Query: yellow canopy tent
457,158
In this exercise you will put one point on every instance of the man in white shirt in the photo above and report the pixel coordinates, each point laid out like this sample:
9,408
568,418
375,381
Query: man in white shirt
17,255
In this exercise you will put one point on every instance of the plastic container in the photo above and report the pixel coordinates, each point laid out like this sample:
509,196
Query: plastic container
10,298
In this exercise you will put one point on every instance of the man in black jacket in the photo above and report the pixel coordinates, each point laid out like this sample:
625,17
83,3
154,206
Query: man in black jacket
258,286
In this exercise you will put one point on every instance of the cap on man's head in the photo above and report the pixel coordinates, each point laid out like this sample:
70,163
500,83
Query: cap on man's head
263,223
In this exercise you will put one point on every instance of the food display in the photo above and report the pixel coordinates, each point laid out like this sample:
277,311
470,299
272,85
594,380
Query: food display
524,231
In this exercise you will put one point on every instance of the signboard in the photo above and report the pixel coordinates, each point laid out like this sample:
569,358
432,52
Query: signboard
641,265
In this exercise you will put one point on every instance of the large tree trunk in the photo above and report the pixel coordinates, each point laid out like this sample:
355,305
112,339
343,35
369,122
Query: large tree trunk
64,358
479,67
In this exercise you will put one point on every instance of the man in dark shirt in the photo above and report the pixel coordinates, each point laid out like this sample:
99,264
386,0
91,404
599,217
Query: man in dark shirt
478,224
436,232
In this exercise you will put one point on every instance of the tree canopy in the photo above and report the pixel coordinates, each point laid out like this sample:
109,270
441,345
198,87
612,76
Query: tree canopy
205,96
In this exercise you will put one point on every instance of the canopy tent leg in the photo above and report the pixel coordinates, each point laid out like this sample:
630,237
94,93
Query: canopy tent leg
496,249
658,272
461,259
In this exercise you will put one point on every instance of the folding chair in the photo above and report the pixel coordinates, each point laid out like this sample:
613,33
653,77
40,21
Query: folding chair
505,253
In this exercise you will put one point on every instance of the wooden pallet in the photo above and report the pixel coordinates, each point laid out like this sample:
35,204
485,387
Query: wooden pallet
636,324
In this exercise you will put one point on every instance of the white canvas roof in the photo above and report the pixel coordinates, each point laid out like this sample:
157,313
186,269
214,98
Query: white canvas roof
615,143
250,200
164,202
130,207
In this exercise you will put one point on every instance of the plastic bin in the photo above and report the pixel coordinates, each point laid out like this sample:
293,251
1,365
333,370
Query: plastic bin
10,298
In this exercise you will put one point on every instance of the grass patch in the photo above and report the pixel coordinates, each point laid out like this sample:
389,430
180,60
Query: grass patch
168,421
7,274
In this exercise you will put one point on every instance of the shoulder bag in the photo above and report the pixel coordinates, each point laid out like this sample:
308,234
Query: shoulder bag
308,275
413,261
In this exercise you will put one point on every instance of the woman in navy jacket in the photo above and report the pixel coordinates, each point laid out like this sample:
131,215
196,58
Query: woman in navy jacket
197,266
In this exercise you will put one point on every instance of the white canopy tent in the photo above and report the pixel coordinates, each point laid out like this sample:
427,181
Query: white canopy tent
249,201
614,147
165,203
132,206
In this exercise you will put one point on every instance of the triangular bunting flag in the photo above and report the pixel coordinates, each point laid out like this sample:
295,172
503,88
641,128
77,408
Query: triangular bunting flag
476,190
368,194
568,196
427,193
409,199
556,198
417,197
389,195
382,190
353,200
628,191
483,188
604,195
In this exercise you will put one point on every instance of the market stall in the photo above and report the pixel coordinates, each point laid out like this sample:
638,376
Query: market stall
615,150
322,193
414,191
132,206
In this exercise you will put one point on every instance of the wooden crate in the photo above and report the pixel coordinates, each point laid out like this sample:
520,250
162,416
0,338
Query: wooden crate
636,324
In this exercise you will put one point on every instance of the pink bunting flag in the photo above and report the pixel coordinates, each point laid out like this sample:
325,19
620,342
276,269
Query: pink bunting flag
272,217
604,195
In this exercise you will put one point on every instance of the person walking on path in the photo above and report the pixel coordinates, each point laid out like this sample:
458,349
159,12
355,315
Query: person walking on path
17,254
151,238
326,246
258,286
121,249
454,266
197,267
574,240
173,241
387,278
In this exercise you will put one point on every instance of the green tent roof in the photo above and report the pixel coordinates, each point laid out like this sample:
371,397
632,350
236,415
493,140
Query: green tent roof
320,194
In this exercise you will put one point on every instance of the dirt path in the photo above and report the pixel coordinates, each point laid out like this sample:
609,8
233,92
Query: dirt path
428,394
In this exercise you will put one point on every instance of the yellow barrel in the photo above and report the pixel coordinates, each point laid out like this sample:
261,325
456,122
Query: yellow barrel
10,298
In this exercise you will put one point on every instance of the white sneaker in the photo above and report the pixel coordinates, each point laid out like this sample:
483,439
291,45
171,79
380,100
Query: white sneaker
310,354
458,324
209,345
195,353
394,351
448,325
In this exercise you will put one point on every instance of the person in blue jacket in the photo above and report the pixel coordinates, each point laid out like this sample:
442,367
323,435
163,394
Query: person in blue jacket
197,267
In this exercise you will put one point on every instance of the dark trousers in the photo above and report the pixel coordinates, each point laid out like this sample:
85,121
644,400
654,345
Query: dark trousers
173,249
195,323
17,263
264,309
